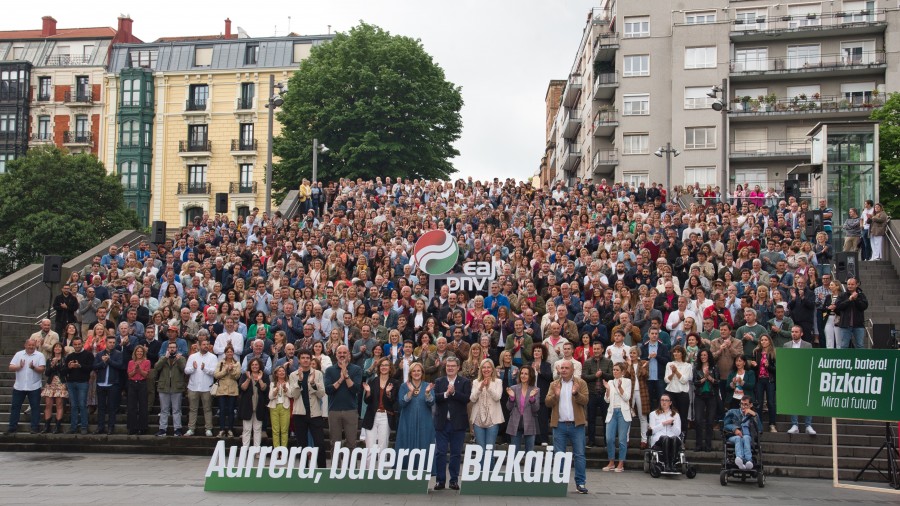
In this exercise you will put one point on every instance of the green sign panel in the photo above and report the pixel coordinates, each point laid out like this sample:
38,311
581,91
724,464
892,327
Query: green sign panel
859,384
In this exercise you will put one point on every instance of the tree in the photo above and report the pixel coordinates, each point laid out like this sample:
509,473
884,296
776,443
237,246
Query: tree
378,101
52,203
889,152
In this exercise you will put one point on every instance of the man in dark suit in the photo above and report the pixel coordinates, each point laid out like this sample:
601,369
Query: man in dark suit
451,393
657,356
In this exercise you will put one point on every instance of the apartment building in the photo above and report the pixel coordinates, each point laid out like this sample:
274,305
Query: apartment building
643,73
50,86
190,120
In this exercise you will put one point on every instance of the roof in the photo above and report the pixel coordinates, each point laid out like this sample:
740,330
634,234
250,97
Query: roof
100,32
194,38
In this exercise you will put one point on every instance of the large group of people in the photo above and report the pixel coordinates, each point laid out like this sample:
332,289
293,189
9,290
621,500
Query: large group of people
607,304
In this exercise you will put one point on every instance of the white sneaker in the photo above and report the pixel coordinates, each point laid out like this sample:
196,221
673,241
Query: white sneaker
810,430
739,462
190,432
748,466
794,430
208,433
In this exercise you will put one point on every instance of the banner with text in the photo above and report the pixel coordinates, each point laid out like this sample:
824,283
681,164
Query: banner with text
858,384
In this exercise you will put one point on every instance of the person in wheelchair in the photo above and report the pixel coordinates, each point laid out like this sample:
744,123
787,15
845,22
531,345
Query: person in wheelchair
742,427
665,429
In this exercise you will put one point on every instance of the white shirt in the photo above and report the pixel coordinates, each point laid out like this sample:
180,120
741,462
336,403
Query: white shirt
660,430
794,344
617,354
675,323
576,367
28,379
222,340
675,384
566,410
201,378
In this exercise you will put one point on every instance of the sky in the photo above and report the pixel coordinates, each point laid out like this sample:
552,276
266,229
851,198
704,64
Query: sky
502,53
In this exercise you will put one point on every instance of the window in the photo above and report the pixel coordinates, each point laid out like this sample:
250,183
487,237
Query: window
637,27
87,51
858,11
636,178
248,90
700,138
750,19
803,15
701,175
196,177
700,57
700,18
809,92
82,88
636,144
750,140
44,133
695,97
251,54
199,94
203,56
81,127
145,180
148,93
147,135
131,133
12,82
18,52
246,139
636,65
45,89
246,177
859,53
191,213
751,59
131,92
4,158
197,136
143,58
805,56
751,178
129,174
7,123
301,51
636,105
857,93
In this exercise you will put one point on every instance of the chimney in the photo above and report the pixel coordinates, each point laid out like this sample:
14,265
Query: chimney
48,29
227,28
124,31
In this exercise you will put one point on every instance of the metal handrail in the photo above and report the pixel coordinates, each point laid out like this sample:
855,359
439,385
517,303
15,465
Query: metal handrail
893,242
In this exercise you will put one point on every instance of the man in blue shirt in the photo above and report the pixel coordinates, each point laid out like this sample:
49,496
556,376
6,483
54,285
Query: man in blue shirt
496,299
744,424
657,356
343,383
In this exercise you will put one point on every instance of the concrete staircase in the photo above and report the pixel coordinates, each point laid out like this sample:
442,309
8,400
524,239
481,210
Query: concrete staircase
881,284
794,455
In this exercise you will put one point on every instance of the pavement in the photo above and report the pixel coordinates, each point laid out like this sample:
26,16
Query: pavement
66,478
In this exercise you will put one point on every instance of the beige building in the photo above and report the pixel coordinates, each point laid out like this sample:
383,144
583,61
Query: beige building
643,73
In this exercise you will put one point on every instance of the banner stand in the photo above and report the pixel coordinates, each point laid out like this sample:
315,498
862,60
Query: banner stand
893,471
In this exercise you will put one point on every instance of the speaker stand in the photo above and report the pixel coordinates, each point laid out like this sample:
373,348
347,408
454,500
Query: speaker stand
893,472
50,302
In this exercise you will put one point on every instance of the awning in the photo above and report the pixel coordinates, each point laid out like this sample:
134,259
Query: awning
806,168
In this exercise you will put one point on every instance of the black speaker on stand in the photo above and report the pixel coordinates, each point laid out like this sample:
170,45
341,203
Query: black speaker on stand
883,337
221,203
847,265
158,232
792,189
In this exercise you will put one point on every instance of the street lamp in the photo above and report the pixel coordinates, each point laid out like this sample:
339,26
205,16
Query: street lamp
669,151
721,105
317,148
275,100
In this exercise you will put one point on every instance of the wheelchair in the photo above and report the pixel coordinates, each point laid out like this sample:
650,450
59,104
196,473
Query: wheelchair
655,464
732,471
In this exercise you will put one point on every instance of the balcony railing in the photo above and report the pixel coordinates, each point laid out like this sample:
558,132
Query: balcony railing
195,105
194,188
770,147
77,138
606,117
242,187
809,21
605,45
63,60
78,97
806,63
605,157
194,146
243,144
42,137
43,98
805,104
244,104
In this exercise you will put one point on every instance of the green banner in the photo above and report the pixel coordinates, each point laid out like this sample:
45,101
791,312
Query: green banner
859,384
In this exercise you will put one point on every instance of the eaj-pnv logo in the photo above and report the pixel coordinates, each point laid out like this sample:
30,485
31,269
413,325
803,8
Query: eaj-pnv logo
435,253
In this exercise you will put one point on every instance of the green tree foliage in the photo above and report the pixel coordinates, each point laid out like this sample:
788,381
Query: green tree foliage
378,101
52,203
889,137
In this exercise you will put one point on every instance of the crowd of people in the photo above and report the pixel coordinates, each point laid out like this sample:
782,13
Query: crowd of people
604,301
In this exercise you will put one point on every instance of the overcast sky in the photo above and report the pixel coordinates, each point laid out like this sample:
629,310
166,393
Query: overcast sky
502,52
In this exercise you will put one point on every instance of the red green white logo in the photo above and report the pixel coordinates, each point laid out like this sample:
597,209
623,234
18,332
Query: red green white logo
435,253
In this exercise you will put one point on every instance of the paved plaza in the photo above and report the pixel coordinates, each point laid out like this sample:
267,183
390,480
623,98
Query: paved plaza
44,478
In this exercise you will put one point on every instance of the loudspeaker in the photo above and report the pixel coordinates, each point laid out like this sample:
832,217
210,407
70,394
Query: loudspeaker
813,224
792,189
221,203
158,232
846,263
52,269
883,336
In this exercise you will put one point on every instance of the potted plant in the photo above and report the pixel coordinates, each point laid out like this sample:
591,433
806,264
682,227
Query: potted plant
802,96
785,18
760,19
754,105
876,98
738,21
811,15
841,14
816,96
844,104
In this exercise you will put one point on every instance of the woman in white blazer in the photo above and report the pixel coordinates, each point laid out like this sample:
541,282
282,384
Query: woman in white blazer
618,416
486,414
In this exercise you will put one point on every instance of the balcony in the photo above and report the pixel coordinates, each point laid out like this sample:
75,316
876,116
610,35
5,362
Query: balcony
837,64
78,98
787,27
571,157
571,124
195,106
195,148
43,97
605,122
573,89
243,104
41,138
243,145
65,60
605,85
77,139
242,187
821,106
605,46
194,188
771,149
605,159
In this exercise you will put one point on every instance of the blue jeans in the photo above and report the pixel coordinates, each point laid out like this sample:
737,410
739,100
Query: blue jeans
34,400
526,442
807,420
452,440
226,412
617,427
486,436
568,433
856,334
743,447
78,400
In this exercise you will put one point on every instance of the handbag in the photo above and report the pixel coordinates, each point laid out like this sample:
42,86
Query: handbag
214,390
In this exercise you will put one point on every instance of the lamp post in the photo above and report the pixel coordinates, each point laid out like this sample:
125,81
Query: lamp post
317,148
273,102
669,151
721,105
